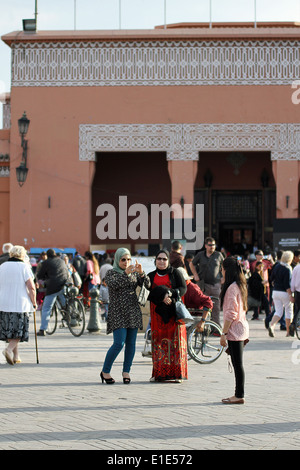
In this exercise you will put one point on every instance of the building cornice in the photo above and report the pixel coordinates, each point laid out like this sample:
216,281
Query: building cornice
223,31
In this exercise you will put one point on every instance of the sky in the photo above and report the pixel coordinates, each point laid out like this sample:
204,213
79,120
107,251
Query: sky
135,14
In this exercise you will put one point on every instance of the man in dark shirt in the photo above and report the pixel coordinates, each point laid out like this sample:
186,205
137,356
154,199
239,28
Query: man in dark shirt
206,267
55,273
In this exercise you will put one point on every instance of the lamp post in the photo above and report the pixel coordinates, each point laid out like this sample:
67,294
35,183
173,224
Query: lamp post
22,170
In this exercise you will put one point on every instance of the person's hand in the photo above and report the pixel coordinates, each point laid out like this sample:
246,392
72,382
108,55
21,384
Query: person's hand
196,277
130,269
223,341
200,326
138,268
167,300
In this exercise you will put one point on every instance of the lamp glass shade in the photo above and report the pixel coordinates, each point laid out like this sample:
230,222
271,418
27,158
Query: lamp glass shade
29,25
23,124
21,172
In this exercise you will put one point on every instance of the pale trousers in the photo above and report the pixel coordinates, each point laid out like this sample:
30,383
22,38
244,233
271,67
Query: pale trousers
282,301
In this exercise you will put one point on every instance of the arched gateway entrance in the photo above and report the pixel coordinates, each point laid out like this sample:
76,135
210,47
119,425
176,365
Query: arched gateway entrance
247,149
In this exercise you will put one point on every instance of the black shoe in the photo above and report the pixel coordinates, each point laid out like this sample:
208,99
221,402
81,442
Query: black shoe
41,333
109,381
292,330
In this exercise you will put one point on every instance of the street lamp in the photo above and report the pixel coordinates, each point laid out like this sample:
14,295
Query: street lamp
22,170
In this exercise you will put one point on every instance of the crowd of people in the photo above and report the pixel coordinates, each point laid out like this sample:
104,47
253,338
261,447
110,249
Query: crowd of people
210,281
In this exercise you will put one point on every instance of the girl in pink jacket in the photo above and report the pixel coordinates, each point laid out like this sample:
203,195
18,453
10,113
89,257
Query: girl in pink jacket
235,327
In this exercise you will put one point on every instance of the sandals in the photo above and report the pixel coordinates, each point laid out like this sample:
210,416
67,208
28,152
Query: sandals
8,356
237,401
126,380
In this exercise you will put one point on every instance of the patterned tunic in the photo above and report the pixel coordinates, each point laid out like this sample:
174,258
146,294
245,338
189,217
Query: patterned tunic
169,343
124,310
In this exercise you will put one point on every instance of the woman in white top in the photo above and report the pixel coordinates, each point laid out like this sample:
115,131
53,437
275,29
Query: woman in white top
17,300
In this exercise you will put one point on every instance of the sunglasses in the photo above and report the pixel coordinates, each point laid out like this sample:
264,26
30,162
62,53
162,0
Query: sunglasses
125,259
162,259
211,244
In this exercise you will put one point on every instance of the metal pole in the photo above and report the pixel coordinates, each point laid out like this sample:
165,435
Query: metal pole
36,13
165,14
210,14
254,13
75,14
120,15
35,336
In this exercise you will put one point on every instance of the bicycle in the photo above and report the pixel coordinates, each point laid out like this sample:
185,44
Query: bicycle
203,346
73,313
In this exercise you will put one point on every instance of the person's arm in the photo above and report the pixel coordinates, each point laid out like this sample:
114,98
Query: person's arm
194,271
31,291
226,326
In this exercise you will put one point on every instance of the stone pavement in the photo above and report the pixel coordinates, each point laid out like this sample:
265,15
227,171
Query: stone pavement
60,403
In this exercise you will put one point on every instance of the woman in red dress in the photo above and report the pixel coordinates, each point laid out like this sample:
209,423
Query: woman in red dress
169,343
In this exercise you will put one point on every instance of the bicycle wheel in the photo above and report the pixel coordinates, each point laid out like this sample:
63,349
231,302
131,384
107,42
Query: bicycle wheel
204,347
75,317
297,324
52,320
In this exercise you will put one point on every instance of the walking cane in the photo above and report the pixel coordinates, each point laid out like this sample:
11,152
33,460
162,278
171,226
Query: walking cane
35,336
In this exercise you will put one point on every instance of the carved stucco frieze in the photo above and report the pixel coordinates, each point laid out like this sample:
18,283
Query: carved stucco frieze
156,63
185,141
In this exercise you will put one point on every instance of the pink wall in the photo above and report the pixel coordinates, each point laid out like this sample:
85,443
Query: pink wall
54,167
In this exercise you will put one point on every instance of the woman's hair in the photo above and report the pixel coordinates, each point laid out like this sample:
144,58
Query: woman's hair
258,265
234,273
89,255
17,251
287,257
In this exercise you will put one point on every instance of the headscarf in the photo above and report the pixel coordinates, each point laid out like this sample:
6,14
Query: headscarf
118,255
168,268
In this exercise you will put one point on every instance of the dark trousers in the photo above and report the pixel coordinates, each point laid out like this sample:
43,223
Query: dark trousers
296,306
236,349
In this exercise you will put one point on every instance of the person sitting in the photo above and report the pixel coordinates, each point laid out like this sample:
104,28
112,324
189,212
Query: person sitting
195,299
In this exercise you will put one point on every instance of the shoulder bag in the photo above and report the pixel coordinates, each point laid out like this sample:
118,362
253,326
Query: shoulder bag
182,313
143,296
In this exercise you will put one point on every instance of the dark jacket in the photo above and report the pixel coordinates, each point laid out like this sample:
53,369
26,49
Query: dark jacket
176,260
281,278
157,294
255,286
79,264
55,274
4,258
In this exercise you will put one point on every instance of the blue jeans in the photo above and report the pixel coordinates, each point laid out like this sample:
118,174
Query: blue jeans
122,336
47,307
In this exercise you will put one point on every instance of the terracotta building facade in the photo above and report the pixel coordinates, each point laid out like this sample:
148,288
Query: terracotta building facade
182,115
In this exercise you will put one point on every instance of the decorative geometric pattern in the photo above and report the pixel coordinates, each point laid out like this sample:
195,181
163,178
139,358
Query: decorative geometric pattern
6,116
232,207
156,63
185,141
4,165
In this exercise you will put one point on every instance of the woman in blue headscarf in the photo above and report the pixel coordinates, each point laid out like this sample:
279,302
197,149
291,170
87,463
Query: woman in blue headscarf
124,312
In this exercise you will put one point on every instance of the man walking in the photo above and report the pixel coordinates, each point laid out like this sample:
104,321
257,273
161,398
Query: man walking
55,273
206,267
